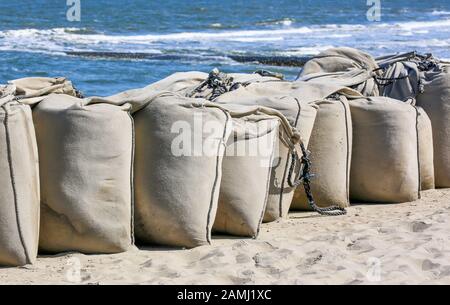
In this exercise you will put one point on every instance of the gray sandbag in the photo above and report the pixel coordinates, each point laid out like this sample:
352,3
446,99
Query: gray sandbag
435,100
179,150
426,152
385,164
400,81
86,162
427,80
331,147
19,185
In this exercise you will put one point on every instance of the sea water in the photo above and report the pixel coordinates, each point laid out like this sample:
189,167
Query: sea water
35,35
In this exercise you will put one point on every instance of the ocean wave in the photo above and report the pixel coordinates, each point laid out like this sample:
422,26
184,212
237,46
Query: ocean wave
284,22
440,13
305,50
414,25
318,36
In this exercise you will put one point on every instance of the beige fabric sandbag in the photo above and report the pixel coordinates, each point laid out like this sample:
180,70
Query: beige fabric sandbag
182,83
331,147
247,169
344,66
39,86
435,100
19,185
294,101
358,79
177,181
86,160
178,82
426,152
300,115
338,60
385,165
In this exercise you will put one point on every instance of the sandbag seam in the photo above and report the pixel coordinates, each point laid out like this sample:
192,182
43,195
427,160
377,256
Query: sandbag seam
214,188
13,183
347,178
267,190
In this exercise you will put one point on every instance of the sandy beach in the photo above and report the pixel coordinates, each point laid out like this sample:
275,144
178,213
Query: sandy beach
375,244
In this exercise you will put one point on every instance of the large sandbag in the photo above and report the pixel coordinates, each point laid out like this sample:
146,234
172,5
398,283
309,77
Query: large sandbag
86,161
360,80
39,86
179,150
338,60
385,165
295,101
331,147
248,167
19,185
179,82
300,115
427,80
401,81
435,100
426,152
343,66
183,83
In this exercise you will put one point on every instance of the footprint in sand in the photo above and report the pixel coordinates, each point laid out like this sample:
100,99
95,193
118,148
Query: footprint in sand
419,226
147,264
428,265
243,258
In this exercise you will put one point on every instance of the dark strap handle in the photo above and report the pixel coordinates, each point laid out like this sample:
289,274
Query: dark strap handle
304,177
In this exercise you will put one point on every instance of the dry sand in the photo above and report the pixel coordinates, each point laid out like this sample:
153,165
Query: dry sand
375,244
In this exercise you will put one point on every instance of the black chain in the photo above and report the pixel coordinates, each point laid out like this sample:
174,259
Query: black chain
305,179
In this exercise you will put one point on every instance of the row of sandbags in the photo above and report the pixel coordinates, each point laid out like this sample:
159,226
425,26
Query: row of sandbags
109,169
19,168
422,85
371,149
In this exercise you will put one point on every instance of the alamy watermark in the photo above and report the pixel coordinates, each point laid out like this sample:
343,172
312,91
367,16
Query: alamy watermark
374,12
205,138
74,11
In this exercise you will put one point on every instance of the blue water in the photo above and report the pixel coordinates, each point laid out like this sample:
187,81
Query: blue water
34,34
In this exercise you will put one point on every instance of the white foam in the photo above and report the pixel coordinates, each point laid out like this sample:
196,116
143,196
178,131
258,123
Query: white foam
440,13
306,50
368,35
413,25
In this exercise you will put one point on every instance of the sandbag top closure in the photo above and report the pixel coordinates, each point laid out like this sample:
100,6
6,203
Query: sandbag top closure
219,82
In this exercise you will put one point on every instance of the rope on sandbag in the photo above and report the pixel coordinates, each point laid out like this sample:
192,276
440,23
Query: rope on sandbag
219,82
424,63
305,179
387,81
